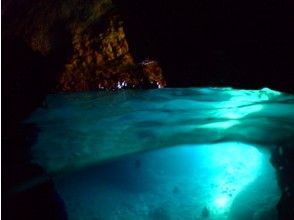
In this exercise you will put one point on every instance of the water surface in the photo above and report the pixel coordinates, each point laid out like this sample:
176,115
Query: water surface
193,153
83,129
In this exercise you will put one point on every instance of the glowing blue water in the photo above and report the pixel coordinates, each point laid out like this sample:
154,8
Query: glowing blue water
232,180
83,129
165,154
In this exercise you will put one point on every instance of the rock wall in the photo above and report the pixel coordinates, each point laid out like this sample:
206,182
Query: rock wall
38,22
102,60
86,37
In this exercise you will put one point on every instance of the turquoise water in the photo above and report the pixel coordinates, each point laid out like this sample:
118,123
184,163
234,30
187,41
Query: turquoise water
194,153
176,183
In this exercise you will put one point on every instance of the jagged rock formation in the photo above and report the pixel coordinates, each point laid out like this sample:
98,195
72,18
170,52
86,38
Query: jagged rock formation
102,60
87,38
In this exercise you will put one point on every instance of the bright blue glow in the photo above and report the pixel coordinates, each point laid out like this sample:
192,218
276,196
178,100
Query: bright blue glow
174,183
82,131
221,201
231,166
85,129
240,112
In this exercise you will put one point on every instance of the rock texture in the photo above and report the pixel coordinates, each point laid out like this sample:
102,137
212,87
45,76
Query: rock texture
39,22
102,60
87,38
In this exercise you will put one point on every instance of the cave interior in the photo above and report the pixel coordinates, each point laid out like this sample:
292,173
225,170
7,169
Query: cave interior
64,47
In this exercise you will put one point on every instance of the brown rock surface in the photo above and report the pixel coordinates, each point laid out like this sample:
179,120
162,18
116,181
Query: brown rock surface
102,60
87,39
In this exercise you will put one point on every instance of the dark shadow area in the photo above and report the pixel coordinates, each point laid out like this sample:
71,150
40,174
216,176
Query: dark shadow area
245,44
27,191
283,160
27,76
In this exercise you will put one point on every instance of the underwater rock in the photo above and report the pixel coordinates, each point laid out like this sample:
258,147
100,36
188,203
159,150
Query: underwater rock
282,159
285,206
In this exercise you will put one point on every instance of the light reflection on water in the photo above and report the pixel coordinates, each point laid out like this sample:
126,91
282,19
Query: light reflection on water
84,129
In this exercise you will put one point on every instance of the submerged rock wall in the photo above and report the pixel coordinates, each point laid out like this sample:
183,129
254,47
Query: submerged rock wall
282,160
